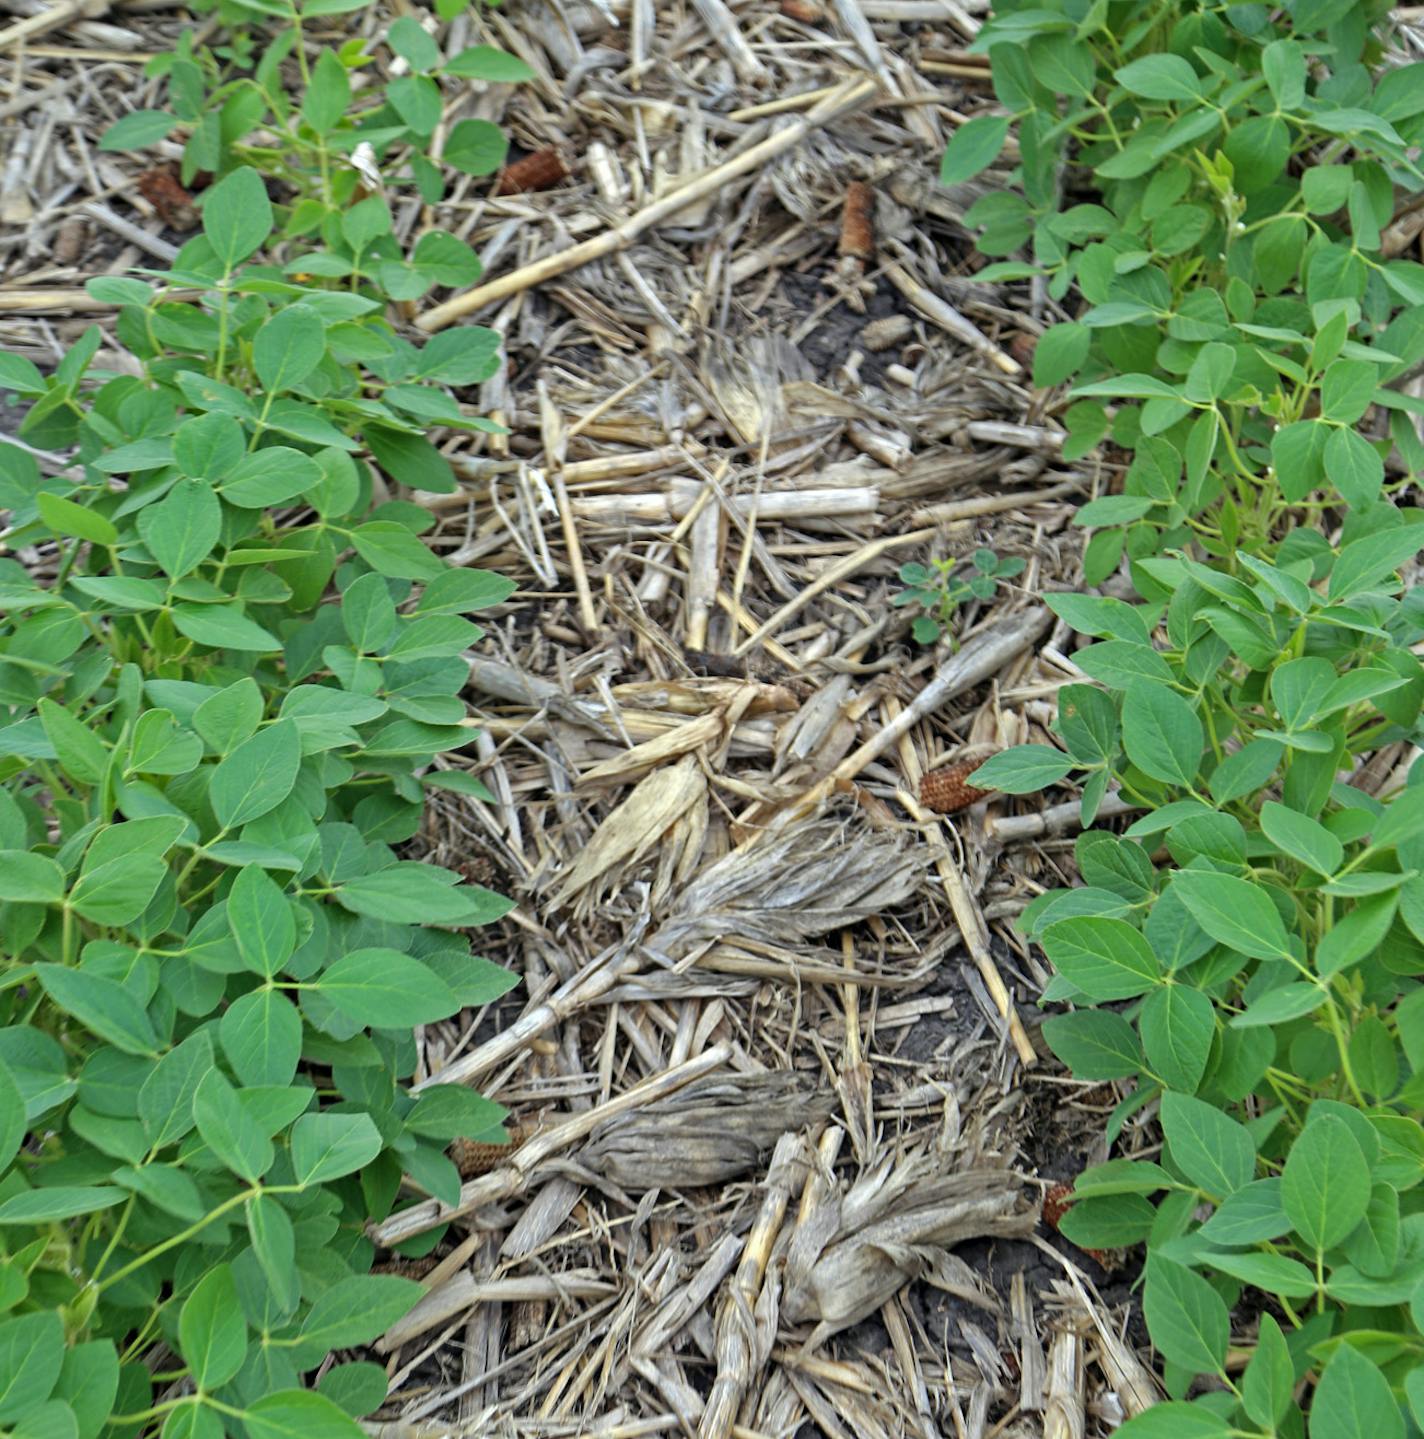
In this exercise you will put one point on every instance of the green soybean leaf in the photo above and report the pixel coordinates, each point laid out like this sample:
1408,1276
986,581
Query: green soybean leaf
1233,912
386,989
229,1130
1178,1025
65,517
223,627
391,549
261,1036
1161,733
1354,466
1060,353
410,893
101,1005
1301,837
1175,1419
433,636
289,347
1106,958
1368,562
263,923
1268,1384
1108,1221
1251,1214
230,716
450,1111
461,591
1353,1400
13,1123
1094,1044
368,614
138,130
31,1357
118,892
59,1201
123,592
328,95
1325,1185
257,776
207,446
1023,769
271,476
1160,77
212,1335
298,1414
409,39
485,62
82,754
275,1245
1285,1002
1274,1273
88,1382
1186,1317
326,1146
357,1310
1283,65
1356,935
1211,1149
181,530
475,147
237,215
973,147
359,1388
165,1102
30,878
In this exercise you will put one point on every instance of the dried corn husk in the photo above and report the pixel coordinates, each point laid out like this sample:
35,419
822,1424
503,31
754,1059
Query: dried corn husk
808,881
891,1224
708,1133
654,808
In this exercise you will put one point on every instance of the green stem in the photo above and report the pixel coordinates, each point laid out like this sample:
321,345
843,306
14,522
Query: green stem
182,1237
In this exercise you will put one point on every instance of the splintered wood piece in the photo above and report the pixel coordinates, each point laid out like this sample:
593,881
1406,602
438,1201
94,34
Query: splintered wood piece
51,19
737,1357
932,307
1063,1416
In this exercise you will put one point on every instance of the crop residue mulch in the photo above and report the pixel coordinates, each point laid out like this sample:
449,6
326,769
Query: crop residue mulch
781,1099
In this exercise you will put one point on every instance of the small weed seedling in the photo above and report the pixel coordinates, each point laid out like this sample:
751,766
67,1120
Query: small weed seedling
939,591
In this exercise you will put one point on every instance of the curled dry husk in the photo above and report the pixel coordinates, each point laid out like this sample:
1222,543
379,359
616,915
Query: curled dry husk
815,878
855,1251
713,1130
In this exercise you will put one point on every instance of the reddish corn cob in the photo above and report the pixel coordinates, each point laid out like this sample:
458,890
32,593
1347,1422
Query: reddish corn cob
407,1268
540,171
174,204
857,229
947,791
1056,1203
473,1159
